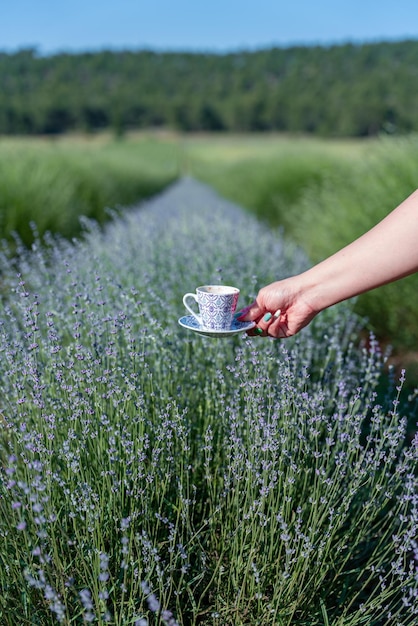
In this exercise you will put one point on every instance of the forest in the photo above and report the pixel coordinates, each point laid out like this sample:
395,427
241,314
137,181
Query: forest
347,90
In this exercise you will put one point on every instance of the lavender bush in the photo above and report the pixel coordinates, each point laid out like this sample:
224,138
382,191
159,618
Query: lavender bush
152,476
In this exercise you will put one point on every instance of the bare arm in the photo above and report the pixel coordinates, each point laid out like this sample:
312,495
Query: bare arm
387,252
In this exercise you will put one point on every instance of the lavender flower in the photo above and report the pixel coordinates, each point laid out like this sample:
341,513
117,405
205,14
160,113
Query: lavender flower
235,477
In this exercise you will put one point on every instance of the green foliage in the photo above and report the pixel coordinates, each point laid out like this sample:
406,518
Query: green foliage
52,184
272,186
345,90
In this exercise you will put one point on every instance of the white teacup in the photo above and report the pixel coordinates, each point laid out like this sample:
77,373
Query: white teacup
217,305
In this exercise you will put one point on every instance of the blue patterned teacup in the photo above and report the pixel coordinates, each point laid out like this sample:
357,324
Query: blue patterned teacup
217,305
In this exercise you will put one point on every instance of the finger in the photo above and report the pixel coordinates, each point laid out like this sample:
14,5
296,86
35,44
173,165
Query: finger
256,332
274,326
271,325
263,324
278,328
250,313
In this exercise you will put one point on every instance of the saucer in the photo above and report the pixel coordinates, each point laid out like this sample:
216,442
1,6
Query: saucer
189,322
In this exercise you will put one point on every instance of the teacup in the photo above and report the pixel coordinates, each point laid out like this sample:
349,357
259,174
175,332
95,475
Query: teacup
217,305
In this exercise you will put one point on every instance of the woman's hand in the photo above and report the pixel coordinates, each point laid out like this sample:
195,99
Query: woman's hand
280,310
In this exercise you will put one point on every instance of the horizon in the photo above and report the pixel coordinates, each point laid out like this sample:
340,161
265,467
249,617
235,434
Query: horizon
203,51
220,27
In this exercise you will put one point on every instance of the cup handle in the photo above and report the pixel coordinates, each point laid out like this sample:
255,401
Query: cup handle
195,315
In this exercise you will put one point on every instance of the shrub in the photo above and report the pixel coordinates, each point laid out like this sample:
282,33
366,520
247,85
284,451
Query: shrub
52,184
153,476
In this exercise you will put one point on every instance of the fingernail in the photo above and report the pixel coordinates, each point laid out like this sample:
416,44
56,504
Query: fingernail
267,317
242,312
277,313
258,331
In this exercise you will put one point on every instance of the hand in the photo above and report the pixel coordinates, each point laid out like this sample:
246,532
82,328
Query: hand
280,310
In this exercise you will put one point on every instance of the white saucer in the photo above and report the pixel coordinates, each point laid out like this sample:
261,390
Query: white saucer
189,322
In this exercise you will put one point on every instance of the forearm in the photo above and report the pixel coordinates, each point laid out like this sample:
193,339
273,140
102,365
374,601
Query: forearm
385,253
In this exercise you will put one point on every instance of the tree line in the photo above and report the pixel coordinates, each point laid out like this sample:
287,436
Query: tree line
340,90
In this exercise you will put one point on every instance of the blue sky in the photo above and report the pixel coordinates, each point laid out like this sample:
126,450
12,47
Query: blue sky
214,25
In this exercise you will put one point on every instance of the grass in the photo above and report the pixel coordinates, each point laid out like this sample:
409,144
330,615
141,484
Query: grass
150,476
51,184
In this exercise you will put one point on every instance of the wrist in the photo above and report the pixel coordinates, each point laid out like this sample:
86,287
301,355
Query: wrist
316,289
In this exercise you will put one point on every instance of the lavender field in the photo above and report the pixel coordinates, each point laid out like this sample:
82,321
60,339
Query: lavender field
151,476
